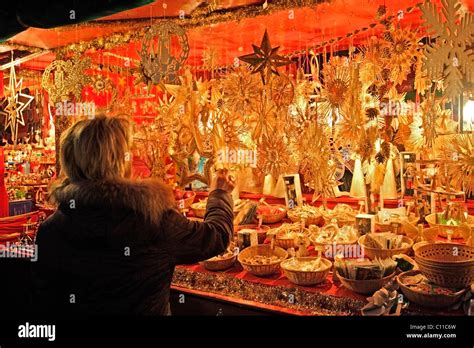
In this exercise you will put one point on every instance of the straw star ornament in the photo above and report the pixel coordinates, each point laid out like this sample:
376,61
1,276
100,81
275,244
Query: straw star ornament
14,107
265,59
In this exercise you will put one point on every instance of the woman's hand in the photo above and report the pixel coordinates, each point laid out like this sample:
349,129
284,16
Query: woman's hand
223,181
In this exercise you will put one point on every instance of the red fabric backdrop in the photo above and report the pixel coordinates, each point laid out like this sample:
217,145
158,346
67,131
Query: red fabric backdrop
3,190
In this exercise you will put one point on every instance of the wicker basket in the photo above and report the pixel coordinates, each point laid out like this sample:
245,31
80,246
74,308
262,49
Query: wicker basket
220,264
437,301
340,222
307,278
372,253
198,212
324,247
365,287
332,214
446,264
273,219
380,227
287,243
315,219
457,231
187,201
431,234
261,231
265,250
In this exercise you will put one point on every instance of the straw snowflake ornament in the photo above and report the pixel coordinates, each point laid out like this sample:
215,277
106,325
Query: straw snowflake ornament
450,56
460,148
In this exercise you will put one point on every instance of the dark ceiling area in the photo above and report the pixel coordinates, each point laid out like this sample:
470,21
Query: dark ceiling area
17,16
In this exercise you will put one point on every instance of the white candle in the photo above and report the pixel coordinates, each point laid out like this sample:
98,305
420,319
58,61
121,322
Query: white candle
381,198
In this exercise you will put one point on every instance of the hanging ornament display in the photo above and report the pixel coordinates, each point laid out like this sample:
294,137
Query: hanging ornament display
337,81
152,144
159,63
265,59
460,149
282,90
403,51
422,83
14,105
374,62
103,88
318,162
450,56
264,116
423,129
210,59
196,168
240,89
274,155
63,79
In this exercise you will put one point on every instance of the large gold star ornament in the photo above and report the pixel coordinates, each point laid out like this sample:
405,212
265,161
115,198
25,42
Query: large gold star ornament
14,105
63,79
265,59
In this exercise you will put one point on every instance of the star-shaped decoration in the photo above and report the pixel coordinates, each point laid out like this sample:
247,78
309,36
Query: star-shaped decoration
122,82
191,93
265,59
14,106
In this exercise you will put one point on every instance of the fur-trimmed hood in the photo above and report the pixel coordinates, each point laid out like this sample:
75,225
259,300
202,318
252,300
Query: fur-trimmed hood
149,198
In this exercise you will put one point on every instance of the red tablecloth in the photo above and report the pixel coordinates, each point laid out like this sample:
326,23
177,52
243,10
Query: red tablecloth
11,227
4,210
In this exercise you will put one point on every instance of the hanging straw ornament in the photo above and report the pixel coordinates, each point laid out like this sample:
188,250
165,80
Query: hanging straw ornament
265,59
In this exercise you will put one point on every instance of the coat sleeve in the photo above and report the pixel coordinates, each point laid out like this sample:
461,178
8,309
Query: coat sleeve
46,284
193,241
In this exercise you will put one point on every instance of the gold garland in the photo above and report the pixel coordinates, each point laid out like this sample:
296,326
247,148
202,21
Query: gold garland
313,303
140,26
11,46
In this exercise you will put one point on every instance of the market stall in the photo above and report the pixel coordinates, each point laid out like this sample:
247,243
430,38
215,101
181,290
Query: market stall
348,126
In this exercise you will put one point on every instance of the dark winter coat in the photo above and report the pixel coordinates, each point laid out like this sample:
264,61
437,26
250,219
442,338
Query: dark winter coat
111,248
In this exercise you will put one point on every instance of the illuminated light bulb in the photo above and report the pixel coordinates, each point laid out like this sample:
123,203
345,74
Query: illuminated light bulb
377,145
468,114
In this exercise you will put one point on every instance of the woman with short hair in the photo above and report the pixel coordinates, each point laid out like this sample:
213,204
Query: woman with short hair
112,245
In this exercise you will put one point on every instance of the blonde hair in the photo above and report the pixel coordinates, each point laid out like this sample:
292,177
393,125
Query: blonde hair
95,165
96,149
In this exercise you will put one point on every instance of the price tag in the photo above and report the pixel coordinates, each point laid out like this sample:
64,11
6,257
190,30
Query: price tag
253,238
181,204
